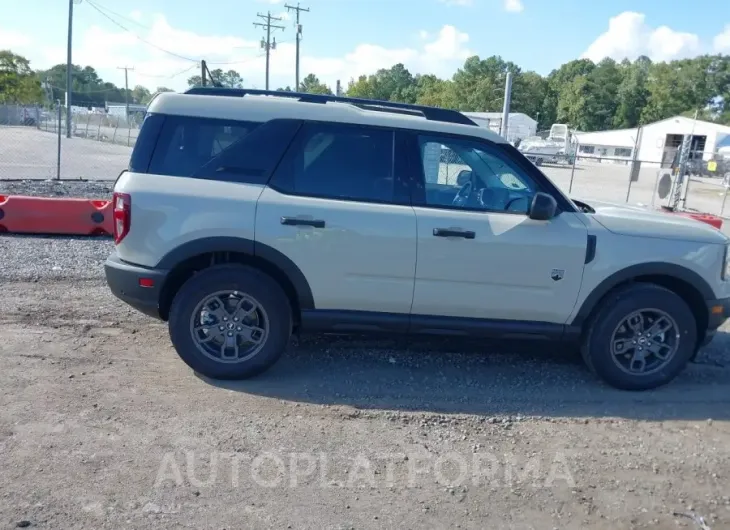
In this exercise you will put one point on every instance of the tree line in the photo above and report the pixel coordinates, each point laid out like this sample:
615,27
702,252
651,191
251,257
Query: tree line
586,95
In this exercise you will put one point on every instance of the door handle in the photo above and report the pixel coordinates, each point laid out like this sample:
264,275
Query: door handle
296,221
449,232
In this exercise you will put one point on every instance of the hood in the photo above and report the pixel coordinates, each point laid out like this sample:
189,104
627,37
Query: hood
630,220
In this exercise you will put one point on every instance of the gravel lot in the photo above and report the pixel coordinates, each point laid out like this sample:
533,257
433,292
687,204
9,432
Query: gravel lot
102,426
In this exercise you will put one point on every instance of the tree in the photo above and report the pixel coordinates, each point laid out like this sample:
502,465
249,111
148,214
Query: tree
312,85
18,84
87,88
632,93
229,79
141,95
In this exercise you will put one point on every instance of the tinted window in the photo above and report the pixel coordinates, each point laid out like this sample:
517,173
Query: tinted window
469,175
187,143
340,162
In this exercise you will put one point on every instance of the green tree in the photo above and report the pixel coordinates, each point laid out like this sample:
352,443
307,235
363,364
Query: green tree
18,83
141,95
229,79
312,85
632,93
87,88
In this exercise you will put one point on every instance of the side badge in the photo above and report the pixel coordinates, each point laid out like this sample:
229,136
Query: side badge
557,274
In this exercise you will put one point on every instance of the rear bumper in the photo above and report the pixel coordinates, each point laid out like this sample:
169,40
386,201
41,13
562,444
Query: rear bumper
124,282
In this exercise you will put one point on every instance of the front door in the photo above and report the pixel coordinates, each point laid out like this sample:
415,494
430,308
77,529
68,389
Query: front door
479,254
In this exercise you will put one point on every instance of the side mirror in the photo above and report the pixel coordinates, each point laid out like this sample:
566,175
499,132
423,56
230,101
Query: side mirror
543,207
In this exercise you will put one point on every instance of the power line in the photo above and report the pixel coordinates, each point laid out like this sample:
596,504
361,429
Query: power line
267,45
299,37
105,8
122,26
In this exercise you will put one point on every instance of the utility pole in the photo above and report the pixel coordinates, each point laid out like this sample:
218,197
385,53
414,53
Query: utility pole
126,88
507,102
268,45
203,72
69,66
299,37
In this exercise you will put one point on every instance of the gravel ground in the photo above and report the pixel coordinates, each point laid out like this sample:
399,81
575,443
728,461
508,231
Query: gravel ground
56,188
102,426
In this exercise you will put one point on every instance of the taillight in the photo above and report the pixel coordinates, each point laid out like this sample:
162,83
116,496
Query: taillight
122,216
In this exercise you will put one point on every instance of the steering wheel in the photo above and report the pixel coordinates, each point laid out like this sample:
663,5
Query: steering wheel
509,202
463,194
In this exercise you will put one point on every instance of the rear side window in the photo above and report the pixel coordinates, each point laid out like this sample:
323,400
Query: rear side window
339,161
228,150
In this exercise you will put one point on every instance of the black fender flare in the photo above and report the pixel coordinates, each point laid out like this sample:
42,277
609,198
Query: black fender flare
644,269
254,249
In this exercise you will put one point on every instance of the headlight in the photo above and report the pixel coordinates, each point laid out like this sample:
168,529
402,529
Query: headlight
726,263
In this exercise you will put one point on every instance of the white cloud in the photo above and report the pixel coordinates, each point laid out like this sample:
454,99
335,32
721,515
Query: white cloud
136,15
513,6
10,39
439,52
721,42
629,36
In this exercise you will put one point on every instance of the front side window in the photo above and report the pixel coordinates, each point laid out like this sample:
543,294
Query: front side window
339,161
468,175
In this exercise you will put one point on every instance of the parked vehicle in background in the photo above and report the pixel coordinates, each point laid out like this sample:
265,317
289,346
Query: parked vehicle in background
249,215
557,146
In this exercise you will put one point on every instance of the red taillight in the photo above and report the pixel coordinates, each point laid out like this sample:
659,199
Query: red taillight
122,216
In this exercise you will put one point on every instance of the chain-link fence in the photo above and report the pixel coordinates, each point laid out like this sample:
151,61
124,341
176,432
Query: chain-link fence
35,143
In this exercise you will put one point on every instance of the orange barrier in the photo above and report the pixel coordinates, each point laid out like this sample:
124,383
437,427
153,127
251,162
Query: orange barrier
707,218
40,215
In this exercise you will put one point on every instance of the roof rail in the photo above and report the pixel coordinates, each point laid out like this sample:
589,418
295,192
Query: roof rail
430,113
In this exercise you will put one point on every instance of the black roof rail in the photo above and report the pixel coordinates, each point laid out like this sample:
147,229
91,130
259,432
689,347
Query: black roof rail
430,113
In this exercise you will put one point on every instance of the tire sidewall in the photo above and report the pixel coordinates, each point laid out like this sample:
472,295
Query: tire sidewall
234,278
619,306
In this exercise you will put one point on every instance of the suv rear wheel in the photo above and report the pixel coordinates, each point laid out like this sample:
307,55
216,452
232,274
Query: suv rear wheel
230,322
641,338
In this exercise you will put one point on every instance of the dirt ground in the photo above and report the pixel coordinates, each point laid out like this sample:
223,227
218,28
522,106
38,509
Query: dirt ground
102,426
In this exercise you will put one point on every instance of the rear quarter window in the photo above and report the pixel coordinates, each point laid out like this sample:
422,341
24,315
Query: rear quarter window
205,148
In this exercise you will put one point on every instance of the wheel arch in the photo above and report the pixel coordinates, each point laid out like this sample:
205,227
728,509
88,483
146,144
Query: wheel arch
687,284
184,261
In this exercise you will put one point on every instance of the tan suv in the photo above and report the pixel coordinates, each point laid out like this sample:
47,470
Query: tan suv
248,215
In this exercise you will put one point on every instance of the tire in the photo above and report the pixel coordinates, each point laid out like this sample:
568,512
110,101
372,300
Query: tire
271,300
621,304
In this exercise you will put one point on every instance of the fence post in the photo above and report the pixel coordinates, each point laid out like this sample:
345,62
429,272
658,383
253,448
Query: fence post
58,158
572,171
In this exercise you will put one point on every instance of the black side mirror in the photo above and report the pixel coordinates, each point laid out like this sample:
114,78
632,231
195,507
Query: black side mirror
543,207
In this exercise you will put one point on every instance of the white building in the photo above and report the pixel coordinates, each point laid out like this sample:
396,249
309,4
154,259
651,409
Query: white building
519,126
658,144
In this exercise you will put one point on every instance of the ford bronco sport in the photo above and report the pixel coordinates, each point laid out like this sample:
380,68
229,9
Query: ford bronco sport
246,216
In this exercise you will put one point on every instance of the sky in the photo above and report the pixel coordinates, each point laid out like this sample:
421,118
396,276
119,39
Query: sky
342,39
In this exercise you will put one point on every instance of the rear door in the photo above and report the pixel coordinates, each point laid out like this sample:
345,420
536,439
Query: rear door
338,207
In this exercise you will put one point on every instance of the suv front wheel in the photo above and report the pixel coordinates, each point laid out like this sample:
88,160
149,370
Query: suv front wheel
230,322
642,337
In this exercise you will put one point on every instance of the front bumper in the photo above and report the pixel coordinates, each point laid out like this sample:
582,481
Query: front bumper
124,281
